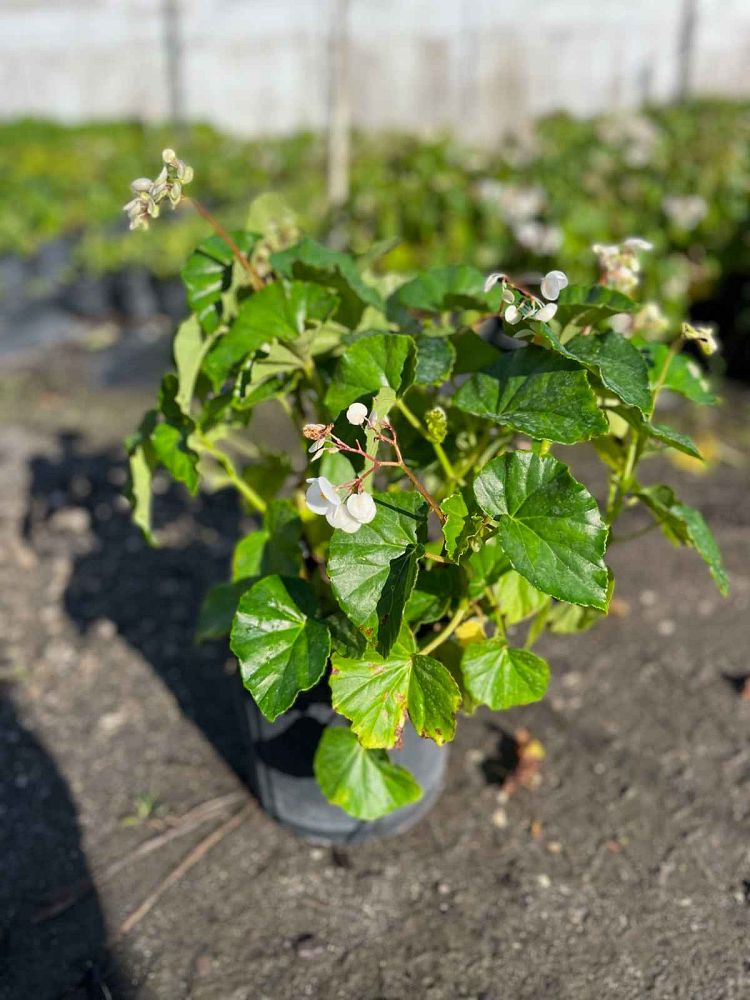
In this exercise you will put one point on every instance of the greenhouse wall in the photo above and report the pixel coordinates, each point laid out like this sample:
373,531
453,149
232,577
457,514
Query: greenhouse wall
257,67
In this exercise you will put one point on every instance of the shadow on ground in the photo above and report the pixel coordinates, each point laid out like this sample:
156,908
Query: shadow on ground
39,956
151,595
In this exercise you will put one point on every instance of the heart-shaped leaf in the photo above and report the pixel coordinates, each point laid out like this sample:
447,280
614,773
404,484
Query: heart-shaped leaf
374,570
549,526
364,783
376,692
535,392
380,361
501,677
281,647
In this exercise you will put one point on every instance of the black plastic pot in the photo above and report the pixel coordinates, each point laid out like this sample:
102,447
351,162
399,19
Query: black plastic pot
281,773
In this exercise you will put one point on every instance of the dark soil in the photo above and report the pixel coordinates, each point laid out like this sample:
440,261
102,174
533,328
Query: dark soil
624,874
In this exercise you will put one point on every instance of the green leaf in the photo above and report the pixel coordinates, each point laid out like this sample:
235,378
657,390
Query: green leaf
208,274
376,692
172,450
683,374
384,360
189,349
661,433
218,609
549,526
373,571
281,647
613,359
345,636
280,311
486,565
443,289
142,461
435,358
432,594
311,261
472,353
518,599
364,783
536,392
275,549
457,525
587,304
501,677
685,525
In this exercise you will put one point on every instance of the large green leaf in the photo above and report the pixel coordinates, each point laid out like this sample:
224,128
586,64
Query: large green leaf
683,374
472,353
380,361
501,677
612,358
311,261
587,304
173,451
364,783
486,565
443,289
432,594
685,525
376,692
281,647
207,274
549,526
538,393
660,432
374,570
456,516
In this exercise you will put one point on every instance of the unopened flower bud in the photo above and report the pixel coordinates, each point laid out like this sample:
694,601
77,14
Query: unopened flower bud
436,420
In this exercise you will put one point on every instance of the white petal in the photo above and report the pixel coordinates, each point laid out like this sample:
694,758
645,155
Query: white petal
508,296
637,243
316,446
545,314
317,455
512,315
620,322
328,490
357,414
315,500
492,280
339,517
362,507
553,283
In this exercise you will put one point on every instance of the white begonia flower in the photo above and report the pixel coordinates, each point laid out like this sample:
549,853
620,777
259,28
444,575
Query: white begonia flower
339,517
512,315
685,211
508,296
492,280
321,495
637,243
545,314
362,507
553,283
621,322
357,414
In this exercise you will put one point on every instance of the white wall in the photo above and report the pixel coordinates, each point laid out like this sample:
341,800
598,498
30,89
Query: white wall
260,66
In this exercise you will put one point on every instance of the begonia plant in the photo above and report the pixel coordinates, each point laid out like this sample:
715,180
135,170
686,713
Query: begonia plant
424,529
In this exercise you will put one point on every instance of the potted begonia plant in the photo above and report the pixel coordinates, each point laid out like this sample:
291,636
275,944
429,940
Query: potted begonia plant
427,508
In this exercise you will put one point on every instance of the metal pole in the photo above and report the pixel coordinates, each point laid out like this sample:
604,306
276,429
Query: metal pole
339,105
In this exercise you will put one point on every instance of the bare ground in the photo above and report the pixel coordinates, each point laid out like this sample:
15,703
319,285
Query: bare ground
625,874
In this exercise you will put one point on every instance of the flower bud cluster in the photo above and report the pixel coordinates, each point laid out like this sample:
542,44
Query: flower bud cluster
149,195
703,336
619,263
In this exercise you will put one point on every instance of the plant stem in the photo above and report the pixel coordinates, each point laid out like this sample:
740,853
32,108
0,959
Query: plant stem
433,504
416,423
255,279
674,349
448,631
253,498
